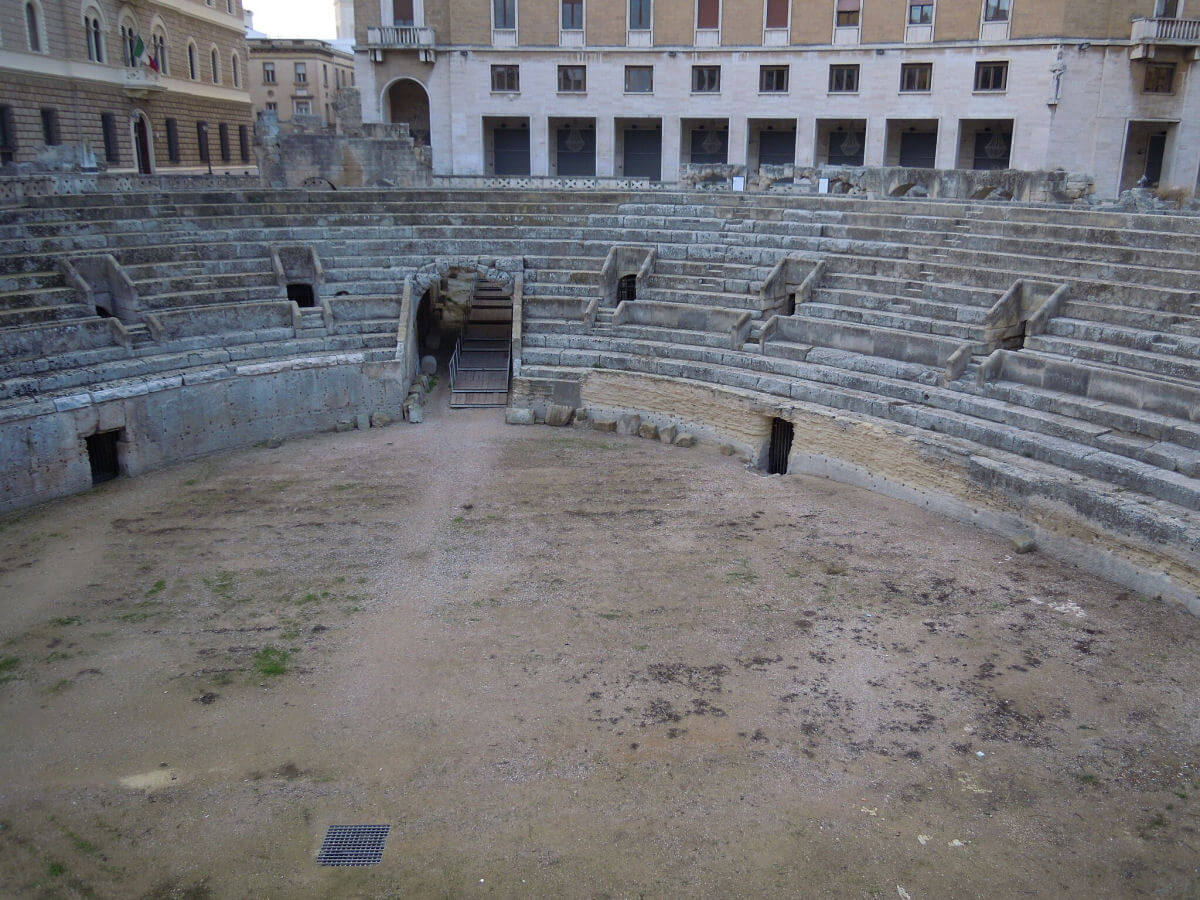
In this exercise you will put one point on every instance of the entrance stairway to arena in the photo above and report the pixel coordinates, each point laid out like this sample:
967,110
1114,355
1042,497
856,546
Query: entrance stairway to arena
482,361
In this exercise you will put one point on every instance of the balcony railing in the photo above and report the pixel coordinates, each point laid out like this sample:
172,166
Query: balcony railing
142,81
399,37
1166,31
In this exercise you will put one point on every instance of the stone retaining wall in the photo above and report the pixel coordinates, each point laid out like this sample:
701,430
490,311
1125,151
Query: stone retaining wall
178,417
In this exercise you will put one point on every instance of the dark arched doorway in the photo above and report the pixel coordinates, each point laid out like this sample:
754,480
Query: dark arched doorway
406,101
141,145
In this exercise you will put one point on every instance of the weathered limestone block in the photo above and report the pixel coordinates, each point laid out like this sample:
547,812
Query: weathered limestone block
428,365
518,416
559,415
667,434
629,424
649,431
380,420
685,440
604,423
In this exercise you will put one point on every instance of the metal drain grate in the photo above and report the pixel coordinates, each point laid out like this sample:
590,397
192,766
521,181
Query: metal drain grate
353,845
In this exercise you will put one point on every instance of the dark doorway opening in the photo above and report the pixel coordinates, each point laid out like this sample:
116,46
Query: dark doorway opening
627,288
576,151
1015,341
643,153
103,457
104,312
776,148
141,145
918,149
425,321
791,305
511,151
782,432
1155,151
302,295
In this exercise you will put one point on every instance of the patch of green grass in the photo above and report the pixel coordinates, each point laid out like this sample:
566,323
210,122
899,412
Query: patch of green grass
64,621
221,584
610,616
795,573
1182,795
742,574
641,647
457,520
54,868
156,588
271,660
1086,778
81,844
8,667
307,599
60,686
834,569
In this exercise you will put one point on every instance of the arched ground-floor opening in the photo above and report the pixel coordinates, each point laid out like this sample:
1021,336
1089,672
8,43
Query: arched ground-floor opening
405,100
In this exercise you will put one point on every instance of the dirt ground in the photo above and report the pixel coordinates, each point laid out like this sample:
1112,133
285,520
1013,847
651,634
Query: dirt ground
564,663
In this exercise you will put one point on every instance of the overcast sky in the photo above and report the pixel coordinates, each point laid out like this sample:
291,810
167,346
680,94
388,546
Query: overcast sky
293,18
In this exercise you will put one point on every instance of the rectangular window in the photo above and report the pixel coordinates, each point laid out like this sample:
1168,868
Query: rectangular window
108,125
272,107
920,14
302,107
506,79
244,142
1166,9
504,13
995,11
202,140
223,141
843,79
572,15
325,75
268,73
50,132
8,135
777,13
773,79
991,76
708,13
639,79
301,73
172,140
847,13
639,15
706,79
916,77
572,79
402,13
1160,78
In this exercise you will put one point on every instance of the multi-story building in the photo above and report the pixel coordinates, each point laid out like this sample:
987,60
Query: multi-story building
297,77
143,86
644,87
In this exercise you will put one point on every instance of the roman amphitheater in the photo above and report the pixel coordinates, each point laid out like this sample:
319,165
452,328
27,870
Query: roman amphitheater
598,543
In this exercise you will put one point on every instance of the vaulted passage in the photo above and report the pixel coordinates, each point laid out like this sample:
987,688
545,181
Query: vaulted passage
782,432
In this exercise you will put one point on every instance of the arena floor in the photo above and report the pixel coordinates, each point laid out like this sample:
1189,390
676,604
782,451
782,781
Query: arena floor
565,663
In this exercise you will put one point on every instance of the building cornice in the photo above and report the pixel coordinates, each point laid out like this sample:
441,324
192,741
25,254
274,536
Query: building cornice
97,73
203,12
1053,42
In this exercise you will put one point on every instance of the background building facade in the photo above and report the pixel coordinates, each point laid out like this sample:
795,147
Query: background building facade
292,77
144,86
647,87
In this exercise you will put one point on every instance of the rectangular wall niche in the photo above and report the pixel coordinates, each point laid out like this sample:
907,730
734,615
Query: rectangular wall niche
103,456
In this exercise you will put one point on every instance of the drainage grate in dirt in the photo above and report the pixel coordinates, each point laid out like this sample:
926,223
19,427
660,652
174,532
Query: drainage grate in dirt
353,845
